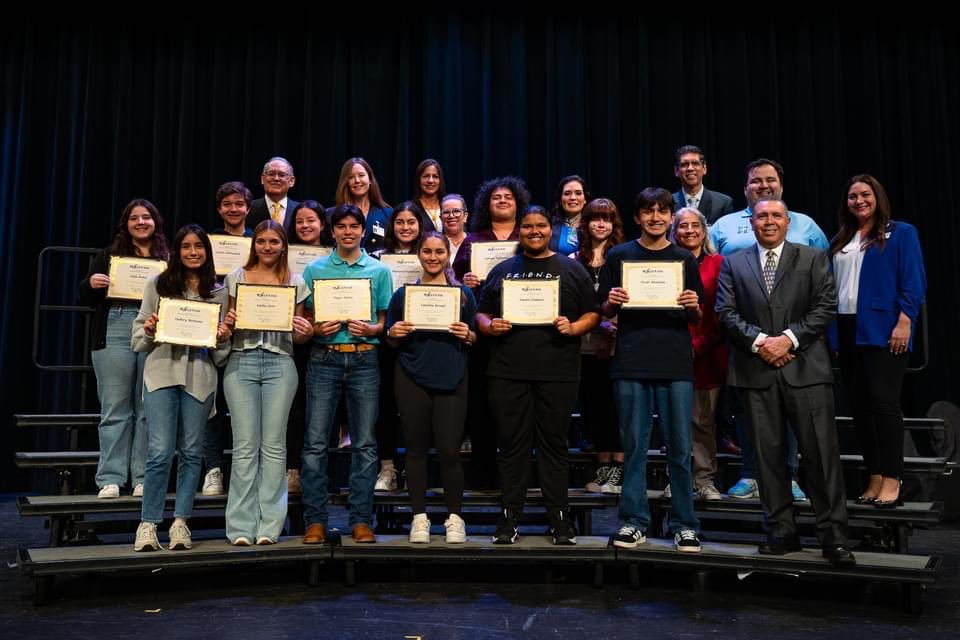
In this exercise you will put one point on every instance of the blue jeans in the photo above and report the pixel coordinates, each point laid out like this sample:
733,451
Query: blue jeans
635,407
358,375
123,430
259,386
175,422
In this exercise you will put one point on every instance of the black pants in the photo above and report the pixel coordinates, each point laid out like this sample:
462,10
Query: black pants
873,378
482,471
532,414
388,428
296,423
424,412
597,406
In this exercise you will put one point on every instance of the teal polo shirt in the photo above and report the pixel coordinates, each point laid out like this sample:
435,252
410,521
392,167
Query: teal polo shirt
334,267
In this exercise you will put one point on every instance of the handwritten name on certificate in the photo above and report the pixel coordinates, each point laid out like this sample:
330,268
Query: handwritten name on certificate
528,301
484,256
229,252
405,268
652,284
342,299
129,276
262,307
300,255
431,307
188,322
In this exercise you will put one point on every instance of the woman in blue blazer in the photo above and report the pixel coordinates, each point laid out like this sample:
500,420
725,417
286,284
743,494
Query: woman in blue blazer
881,286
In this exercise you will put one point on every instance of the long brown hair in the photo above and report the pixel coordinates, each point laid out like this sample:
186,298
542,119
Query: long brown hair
848,222
280,269
172,282
122,244
343,184
602,209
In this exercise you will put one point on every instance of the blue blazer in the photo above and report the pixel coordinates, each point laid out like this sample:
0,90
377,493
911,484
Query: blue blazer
891,281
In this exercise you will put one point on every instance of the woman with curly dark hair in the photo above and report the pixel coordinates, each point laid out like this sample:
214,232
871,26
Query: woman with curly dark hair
122,430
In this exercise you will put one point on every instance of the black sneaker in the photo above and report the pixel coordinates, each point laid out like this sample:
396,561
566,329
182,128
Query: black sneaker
506,532
561,529
629,537
687,541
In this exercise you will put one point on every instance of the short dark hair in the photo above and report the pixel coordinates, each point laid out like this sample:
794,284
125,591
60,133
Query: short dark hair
230,188
684,150
651,196
759,162
347,210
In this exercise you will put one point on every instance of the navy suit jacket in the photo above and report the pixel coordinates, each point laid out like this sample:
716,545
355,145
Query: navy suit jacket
259,212
891,281
712,205
803,299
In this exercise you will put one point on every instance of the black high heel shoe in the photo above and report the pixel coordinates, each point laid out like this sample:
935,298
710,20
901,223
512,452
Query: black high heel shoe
891,504
866,499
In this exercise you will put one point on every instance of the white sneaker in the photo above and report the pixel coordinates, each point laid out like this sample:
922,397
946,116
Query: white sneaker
614,483
420,529
241,541
265,540
138,490
146,538
109,491
709,492
667,492
213,483
179,537
456,530
386,480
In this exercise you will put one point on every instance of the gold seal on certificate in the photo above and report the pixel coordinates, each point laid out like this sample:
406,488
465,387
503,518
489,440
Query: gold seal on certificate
342,299
265,307
300,255
484,256
431,307
528,301
404,267
229,252
128,276
652,284
188,322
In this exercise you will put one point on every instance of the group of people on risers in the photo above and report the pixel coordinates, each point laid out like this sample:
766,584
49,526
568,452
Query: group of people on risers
762,290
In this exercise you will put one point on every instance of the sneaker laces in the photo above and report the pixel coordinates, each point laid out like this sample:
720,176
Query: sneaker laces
687,534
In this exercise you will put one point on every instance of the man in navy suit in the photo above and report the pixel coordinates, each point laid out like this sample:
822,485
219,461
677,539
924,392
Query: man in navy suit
277,179
776,301
690,165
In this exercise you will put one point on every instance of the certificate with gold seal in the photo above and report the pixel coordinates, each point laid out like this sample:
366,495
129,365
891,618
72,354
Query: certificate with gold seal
265,307
342,299
405,268
229,252
530,302
300,255
484,256
129,276
653,284
190,323
431,307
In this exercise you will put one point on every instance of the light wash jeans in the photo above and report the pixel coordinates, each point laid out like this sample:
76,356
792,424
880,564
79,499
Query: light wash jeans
259,386
175,422
123,429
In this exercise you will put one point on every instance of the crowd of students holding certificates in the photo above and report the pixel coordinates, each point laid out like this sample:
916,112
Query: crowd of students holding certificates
394,319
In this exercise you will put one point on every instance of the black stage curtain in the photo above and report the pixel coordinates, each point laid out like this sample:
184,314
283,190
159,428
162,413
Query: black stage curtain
96,114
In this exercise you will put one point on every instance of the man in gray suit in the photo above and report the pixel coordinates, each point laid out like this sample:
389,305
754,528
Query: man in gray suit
277,180
690,165
776,300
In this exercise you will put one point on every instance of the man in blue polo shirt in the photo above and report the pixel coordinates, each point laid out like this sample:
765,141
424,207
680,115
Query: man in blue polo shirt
344,357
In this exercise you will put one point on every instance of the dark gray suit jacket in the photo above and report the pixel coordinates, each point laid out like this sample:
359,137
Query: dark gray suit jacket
803,299
712,205
259,212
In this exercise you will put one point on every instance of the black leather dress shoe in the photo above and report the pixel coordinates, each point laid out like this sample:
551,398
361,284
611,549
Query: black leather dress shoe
840,555
779,546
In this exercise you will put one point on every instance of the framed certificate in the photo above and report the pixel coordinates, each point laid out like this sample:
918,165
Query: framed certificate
229,252
528,301
128,276
652,284
300,255
264,307
431,307
484,256
346,299
188,322
404,267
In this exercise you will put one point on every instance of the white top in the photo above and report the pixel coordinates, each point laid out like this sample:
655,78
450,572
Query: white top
693,199
762,255
846,269
274,341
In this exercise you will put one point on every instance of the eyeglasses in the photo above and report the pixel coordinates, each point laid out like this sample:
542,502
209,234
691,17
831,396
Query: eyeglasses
691,163
453,213
282,175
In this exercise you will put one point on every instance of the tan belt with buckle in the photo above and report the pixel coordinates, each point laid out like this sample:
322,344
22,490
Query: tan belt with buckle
350,347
